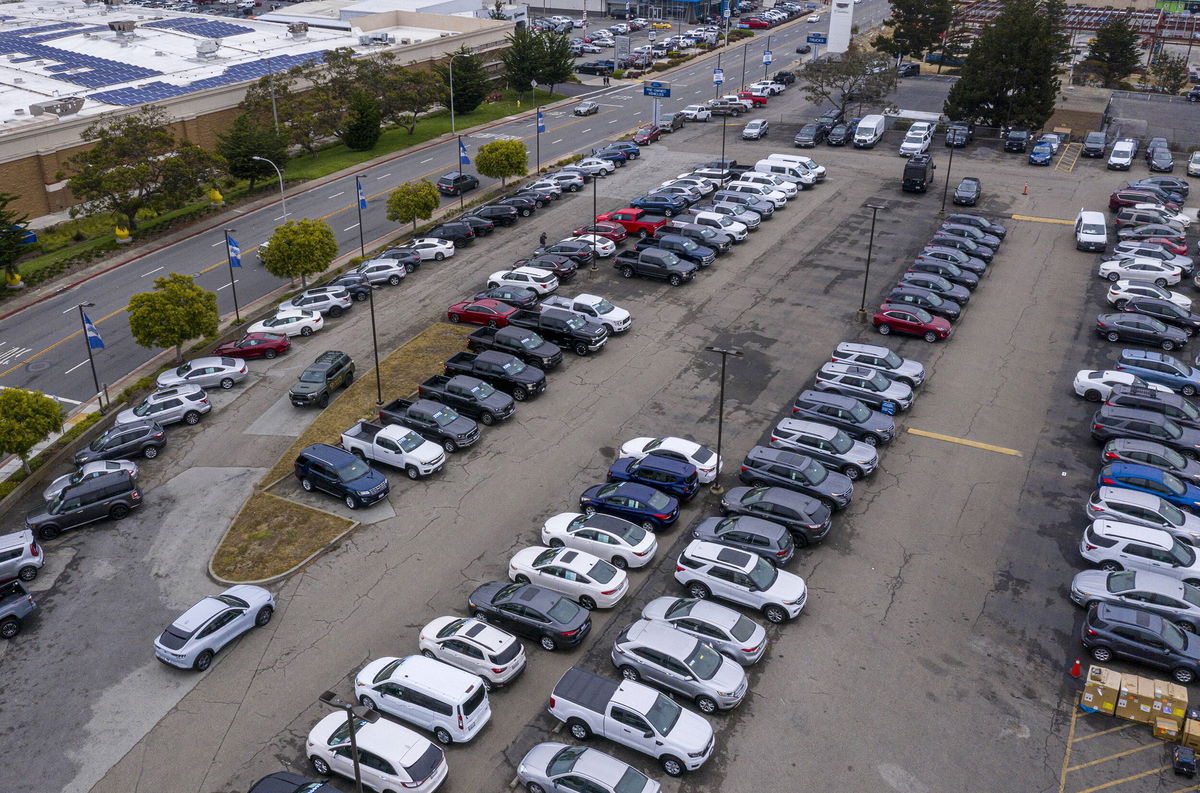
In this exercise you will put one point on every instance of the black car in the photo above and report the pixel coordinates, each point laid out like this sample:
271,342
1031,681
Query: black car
765,466
1171,184
938,284
786,77
1141,329
1193,95
576,250
951,272
497,214
959,134
908,69
144,438
959,258
1154,143
1116,422
1161,160
341,474
981,223
1094,144
1111,632
843,133
829,119
461,234
802,49
1176,407
287,782
805,517
355,283
1164,311
564,268
539,197
771,541
525,205
1016,140
909,296
968,191
519,296
810,135
481,226
943,238
531,611
456,183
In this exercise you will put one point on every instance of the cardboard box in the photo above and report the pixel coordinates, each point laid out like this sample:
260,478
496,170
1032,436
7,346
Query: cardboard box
1171,699
1130,702
1166,728
1101,690
1190,737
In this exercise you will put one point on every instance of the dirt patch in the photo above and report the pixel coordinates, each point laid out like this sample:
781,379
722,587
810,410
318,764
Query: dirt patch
271,535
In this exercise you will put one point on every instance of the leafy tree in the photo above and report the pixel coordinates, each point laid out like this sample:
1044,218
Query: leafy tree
1169,72
1114,54
470,80
362,129
557,64
415,91
497,11
12,232
300,248
26,419
413,201
247,139
176,312
307,115
914,26
137,163
522,59
853,75
501,159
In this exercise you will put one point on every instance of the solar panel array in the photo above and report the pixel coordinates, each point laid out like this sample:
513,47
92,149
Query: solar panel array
200,27
73,67
238,73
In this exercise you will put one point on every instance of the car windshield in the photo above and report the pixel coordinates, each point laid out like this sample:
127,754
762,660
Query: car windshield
878,381
1092,228
564,611
1183,554
603,572
923,316
1189,410
1120,582
658,501
1174,637
814,472
764,574
181,371
704,661
141,409
575,323
353,470
663,714
743,629
1191,594
482,390
514,366
312,377
342,734
1172,429
754,496
444,417
724,221
564,761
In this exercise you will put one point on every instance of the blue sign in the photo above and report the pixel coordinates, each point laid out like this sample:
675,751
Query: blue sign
656,89
817,38
887,407
718,76
767,58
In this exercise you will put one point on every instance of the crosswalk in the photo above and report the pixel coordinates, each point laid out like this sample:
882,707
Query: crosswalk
12,354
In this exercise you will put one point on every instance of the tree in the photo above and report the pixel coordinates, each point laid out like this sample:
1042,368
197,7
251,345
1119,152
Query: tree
497,11
176,312
300,248
26,419
855,75
361,131
470,80
501,159
914,26
13,227
522,59
413,201
247,139
1114,54
136,163
557,64
1169,73
307,115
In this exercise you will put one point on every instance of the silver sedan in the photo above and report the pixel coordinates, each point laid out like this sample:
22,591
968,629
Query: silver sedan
725,630
1169,597
550,767
206,373
86,472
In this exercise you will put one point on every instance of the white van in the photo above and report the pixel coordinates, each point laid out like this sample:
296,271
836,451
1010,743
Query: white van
802,177
1091,232
450,703
869,131
800,161
1122,154
777,198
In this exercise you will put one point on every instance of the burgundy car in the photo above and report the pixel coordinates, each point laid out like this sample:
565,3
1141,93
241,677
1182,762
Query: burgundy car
647,135
1128,198
255,345
912,321
492,313
613,231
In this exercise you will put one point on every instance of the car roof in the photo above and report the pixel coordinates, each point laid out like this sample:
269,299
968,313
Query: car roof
720,554
183,389
199,614
838,367
485,635
1126,496
858,347
327,454
715,613
534,271
431,672
661,636
1117,530
572,559
810,427
1131,616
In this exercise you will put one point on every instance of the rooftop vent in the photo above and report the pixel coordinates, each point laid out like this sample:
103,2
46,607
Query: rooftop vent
59,107
298,30
122,27
207,48
20,111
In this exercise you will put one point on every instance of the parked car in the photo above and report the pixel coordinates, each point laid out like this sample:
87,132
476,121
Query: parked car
589,581
487,311
765,466
550,619
1111,632
912,321
1116,422
720,627
290,323
1158,367
330,371
703,458
112,495
143,438
621,542
205,373
657,653
1096,386
455,183
556,766
333,301
649,508
671,476
846,412
828,445
186,403
706,570
391,269
191,641
341,474
771,541
968,192
395,757
1139,328
1153,454
493,654
255,345
16,605
1122,291
1138,508
755,130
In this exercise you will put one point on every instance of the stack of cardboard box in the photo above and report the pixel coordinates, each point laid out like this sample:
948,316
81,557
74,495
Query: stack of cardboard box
1101,690
1159,703
1191,734
1135,700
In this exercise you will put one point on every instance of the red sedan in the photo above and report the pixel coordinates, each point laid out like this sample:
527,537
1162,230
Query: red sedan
912,321
1128,198
1175,246
613,231
647,135
754,23
255,345
492,313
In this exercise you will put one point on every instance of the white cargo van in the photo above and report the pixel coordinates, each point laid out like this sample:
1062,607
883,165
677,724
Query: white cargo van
1122,154
802,177
869,131
1091,232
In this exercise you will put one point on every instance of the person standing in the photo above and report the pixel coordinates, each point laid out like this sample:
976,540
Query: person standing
542,240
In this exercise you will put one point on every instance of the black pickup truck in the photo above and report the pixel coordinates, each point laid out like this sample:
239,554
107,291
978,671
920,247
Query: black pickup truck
432,421
469,396
501,370
684,248
563,328
654,263
521,342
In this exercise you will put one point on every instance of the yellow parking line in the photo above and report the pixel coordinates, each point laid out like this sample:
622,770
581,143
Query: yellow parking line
1062,777
1116,756
1103,732
987,447
1186,789
1129,778
1034,219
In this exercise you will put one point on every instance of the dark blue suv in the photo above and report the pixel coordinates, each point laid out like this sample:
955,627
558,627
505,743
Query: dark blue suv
337,471
673,477
652,509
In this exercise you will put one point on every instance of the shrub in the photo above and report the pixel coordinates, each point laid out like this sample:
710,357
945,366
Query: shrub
618,74
132,391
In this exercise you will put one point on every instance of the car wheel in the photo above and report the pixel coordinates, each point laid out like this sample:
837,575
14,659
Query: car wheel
884,329
323,400
270,354
672,765
852,472
412,472
150,452
872,440
618,562
118,512
480,615
27,573
1188,390
675,280
437,257
352,502
443,736
629,673
627,272
587,602
579,729
534,787
589,510
393,279
574,188
670,213
450,446
191,417
320,766
775,614
1091,395
227,383
706,704
1160,282
306,331
1102,654
521,578
930,336
581,349
698,590
263,616
48,532
520,394
336,311
548,644
1113,277
1183,675
525,212
203,660
10,628
1109,566
649,526
361,296
1168,345
1184,625
307,485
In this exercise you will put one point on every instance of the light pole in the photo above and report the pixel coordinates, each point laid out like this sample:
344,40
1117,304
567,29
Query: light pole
946,188
279,173
724,353
362,250
595,187
874,206
366,714
87,340
452,57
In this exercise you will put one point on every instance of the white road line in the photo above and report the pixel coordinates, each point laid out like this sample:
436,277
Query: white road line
348,228
69,310
638,113
335,195
235,280
13,354
215,244
430,159
150,272
76,366
281,217
698,92
589,129
560,140
614,121
386,175
64,399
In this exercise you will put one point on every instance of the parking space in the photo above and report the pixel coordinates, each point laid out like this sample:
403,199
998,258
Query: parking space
1103,753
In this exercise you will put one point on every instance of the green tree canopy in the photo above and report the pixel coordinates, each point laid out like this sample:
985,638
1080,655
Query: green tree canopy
1114,54
470,80
839,79
300,248
501,159
247,139
914,26
12,231
176,312
136,163
556,63
414,91
522,59
412,201
1169,73
26,419
307,114
362,128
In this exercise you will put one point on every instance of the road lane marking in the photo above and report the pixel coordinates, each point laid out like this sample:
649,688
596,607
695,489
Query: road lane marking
1116,756
1103,732
335,195
1129,778
638,113
63,340
215,244
1034,219
235,280
348,228
76,366
614,121
589,129
560,140
15,352
428,159
156,269
386,175
987,447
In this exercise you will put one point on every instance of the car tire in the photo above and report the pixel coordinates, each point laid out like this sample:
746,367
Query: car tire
534,787
320,766
437,257
323,400
1102,653
361,296
1185,626
191,418
618,562
46,533
884,329
775,614
930,336
1188,390
579,729
521,578
307,485
520,394
587,603
393,279
336,312
450,446
227,383
675,280
1161,282
525,212
270,355
443,736
118,512
548,644
411,472
872,440
672,765
670,213
1183,675
699,590
1092,395
352,502
9,628
454,319
1167,345
263,616
306,332
1110,566
27,573
706,704
852,472
574,188
480,615
627,271
581,349
203,660
649,526
629,673
1114,277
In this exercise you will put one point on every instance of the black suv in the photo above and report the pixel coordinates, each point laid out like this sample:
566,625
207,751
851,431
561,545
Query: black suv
497,214
1116,422
904,295
145,438
1016,140
355,283
766,466
112,495
481,226
1164,311
1094,144
337,471
331,370
847,414
1111,632
959,134
461,234
805,517
456,183
1139,397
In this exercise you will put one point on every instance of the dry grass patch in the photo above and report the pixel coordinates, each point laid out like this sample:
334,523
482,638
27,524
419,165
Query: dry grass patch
271,535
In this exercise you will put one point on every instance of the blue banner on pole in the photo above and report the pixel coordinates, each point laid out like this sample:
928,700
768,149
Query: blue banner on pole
93,336
463,159
235,253
541,122
362,199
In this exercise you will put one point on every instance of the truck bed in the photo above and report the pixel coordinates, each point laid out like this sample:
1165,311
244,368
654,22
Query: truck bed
586,689
363,431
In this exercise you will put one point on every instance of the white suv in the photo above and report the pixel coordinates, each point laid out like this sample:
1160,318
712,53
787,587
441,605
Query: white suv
476,647
1116,546
711,570
876,356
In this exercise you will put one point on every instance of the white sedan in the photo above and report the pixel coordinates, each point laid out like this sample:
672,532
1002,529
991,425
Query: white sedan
1095,386
590,582
291,322
91,471
430,248
608,537
603,246
704,458
541,281
1121,291
1139,269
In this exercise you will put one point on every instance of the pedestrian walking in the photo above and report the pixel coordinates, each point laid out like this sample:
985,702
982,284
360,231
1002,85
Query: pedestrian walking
542,240
606,79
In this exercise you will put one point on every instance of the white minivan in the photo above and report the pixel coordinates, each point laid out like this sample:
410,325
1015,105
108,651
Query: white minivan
450,703
1122,154
869,131
802,177
1091,232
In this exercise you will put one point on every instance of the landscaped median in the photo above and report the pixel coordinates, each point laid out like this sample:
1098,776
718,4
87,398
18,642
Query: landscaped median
271,535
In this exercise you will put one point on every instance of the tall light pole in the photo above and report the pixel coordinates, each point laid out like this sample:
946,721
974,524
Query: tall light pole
87,340
724,353
874,206
946,188
595,187
453,131
362,250
366,714
279,173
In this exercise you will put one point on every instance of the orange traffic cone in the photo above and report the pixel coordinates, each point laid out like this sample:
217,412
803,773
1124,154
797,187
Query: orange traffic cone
1075,668
1026,190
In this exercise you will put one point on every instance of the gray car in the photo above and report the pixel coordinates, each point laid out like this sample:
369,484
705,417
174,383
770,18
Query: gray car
1165,596
876,356
828,445
186,403
331,300
144,438
212,372
111,496
382,271
20,556
734,634
805,517
762,537
15,605
655,652
552,767
1155,455
1143,509
847,413
86,472
863,383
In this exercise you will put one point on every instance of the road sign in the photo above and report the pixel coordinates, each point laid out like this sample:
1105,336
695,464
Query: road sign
621,50
817,38
718,76
767,58
656,89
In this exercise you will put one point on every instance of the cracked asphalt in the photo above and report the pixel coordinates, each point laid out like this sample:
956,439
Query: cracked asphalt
931,654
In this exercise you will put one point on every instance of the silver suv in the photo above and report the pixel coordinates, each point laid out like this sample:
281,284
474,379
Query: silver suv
1116,546
829,446
734,634
382,271
186,403
1143,509
20,556
658,653
711,570
864,383
876,356
331,300
1169,598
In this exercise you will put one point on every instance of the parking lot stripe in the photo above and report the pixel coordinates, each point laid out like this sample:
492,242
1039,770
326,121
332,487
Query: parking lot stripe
1129,778
1116,756
987,447
1062,777
1186,789
1103,732
1043,220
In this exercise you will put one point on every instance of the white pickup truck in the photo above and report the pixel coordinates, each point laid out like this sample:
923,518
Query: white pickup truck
395,445
593,310
633,715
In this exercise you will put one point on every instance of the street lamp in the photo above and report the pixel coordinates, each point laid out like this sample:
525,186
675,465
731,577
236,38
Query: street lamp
452,57
362,250
724,353
946,188
874,205
279,173
595,187
87,340
366,714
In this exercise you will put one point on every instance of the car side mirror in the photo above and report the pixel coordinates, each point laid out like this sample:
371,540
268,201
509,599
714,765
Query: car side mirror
648,734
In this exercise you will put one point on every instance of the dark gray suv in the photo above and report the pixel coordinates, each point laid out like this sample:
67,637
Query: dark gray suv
762,537
766,466
331,370
1112,632
1116,422
1173,406
846,413
805,517
112,496
144,438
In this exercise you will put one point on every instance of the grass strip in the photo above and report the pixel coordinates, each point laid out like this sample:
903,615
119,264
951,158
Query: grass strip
271,535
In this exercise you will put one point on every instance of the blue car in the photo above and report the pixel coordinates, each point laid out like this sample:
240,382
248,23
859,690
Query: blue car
1041,154
652,510
669,475
628,148
617,158
1148,479
1158,367
667,205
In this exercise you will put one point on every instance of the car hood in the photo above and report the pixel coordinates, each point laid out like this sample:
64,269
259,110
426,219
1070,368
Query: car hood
787,587
837,485
691,732
1091,583
620,468
498,401
302,388
169,379
862,453
528,376
912,145
367,481
55,487
729,676
482,596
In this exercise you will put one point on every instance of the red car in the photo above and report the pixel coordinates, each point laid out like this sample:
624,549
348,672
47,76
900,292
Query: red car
912,321
492,313
754,99
255,345
1175,246
613,231
647,135
1128,198
755,23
